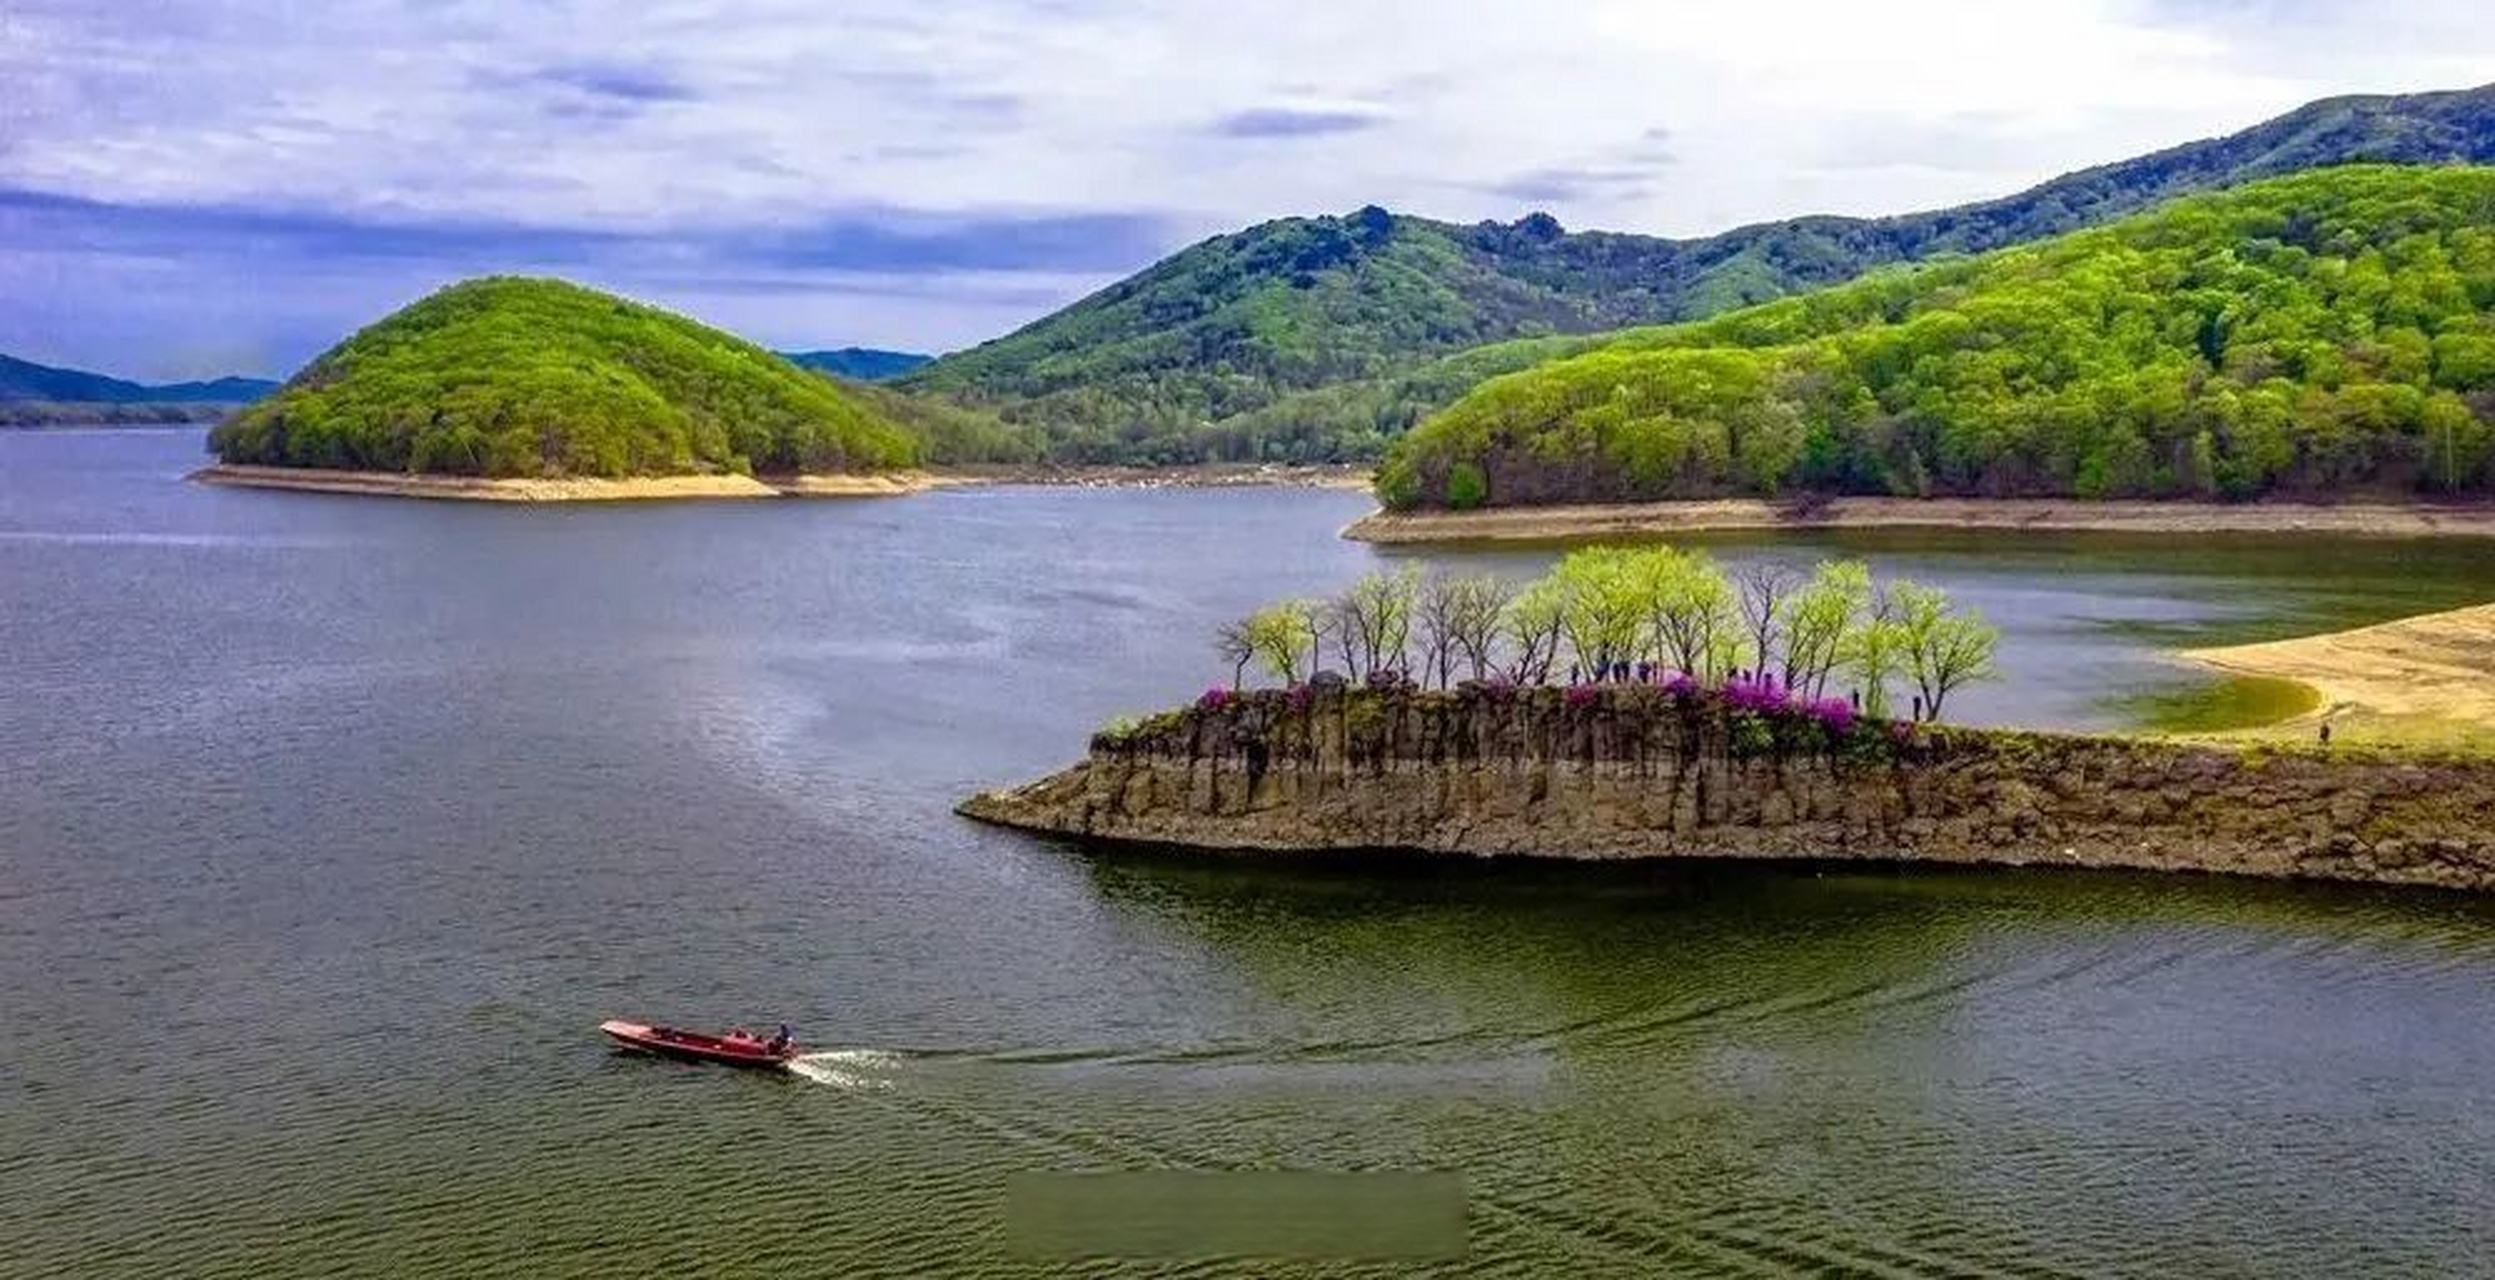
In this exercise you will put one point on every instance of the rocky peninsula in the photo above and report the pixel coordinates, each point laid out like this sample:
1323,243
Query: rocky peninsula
1635,771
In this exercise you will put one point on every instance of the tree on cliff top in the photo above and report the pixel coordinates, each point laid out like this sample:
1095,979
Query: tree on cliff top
1668,615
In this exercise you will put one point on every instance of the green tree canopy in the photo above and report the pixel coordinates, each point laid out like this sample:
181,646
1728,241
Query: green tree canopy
516,377
2320,334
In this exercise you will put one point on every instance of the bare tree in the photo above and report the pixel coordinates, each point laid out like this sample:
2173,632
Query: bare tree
1536,619
1236,643
1341,621
1435,611
1762,588
1480,618
1372,621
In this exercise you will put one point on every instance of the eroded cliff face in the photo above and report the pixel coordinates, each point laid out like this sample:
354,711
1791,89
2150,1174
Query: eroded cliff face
1636,772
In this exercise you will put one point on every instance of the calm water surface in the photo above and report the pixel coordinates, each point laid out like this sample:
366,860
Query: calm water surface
330,827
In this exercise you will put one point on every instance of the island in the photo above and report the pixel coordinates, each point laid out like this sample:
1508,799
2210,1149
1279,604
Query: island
1757,715
531,389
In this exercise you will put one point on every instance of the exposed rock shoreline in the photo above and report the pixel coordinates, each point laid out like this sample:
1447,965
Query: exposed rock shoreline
1635,773
1512,524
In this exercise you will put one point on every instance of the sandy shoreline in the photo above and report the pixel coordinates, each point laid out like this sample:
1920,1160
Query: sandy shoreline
1218,475
661,488
2426,680
1503,524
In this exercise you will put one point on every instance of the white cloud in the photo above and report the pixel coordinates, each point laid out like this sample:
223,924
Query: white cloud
647,117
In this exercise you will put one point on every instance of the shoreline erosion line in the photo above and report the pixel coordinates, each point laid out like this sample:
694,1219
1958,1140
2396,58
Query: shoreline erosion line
1557,523
392,484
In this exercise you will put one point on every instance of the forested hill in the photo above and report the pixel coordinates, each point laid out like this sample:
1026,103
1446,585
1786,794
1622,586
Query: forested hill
2326,333
1135,372
1310,338
38,395
26,380
862,364
518,377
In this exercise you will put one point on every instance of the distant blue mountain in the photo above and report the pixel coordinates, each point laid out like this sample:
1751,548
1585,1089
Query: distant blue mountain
864,364
26,380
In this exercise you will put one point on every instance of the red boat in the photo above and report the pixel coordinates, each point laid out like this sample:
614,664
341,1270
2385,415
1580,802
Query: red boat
737,1048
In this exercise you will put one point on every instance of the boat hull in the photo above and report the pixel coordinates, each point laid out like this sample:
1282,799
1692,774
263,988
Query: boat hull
695,1046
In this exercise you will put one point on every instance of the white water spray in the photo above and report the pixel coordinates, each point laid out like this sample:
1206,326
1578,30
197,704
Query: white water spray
846,1068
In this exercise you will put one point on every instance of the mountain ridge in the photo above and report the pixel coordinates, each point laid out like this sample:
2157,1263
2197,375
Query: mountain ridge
1298,339
858,364
25,380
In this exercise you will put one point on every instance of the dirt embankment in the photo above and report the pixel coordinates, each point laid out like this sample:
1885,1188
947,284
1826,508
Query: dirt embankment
1624,519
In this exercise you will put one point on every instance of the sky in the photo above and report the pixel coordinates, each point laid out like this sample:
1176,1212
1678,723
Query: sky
196,187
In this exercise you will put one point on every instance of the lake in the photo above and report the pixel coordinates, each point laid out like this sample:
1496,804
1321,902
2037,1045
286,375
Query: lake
330,828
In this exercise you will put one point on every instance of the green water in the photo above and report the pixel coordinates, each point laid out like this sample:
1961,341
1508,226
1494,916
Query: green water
2222,702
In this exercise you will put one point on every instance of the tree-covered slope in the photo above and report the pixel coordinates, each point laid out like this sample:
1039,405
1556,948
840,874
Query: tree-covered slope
519,377
2318,334
858,364
1136,372
1308,339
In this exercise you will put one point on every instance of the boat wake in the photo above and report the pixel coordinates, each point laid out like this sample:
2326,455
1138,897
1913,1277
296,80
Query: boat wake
847,1068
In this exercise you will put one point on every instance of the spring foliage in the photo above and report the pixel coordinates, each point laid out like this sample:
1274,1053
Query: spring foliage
1320,339
2320,334
1656,615
517,377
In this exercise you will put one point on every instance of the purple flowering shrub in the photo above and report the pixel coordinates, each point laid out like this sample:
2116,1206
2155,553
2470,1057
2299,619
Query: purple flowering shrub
1583,695
1214,699
1760,695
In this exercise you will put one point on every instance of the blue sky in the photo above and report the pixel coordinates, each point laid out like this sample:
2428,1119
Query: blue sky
191,187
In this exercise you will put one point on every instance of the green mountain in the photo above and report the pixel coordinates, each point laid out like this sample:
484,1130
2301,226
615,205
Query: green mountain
517,377
37,394
2326,333
858,364
26,380
1311,338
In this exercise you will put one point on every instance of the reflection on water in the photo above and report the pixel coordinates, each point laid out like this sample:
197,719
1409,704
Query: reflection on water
332,827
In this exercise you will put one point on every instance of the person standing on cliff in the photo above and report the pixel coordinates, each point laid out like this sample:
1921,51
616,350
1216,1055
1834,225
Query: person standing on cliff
2326,733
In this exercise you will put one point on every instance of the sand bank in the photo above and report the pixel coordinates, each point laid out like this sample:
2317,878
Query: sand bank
2422,681
1537,523
866,485
637,489
1216,475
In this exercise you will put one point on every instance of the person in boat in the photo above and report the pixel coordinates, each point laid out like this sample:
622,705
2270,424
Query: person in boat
779,1041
